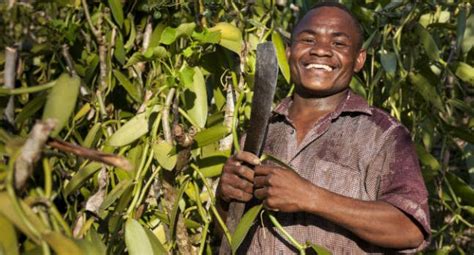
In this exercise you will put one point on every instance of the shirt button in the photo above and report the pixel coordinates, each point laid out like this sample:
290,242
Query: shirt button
292,131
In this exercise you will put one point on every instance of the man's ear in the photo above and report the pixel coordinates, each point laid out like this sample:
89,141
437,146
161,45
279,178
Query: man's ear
360,60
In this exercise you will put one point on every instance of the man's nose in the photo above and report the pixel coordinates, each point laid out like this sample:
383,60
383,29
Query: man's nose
321,49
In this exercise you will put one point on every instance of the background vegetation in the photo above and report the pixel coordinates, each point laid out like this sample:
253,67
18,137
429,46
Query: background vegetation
150,97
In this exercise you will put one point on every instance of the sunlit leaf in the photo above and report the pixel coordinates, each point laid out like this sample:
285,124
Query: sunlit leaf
61,101
320,250
9,241
195,95
211,166
210,135
136,238
155,243
165,154
61,244
168,36
130,131
8,210
246,222
281,55
465,72
231,37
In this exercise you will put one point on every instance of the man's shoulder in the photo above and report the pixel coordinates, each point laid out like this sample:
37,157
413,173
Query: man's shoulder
386,124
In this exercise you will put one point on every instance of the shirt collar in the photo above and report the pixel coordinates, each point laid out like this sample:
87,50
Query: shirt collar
353,103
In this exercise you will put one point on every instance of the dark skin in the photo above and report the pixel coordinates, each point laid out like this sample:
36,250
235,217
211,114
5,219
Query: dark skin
323,57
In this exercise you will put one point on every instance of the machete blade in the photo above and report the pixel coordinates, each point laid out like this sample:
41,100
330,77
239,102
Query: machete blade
266,76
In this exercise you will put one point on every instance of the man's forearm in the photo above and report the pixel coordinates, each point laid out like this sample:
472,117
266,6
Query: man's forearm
377,222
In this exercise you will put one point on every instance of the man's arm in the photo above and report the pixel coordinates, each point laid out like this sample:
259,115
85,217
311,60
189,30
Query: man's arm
376,222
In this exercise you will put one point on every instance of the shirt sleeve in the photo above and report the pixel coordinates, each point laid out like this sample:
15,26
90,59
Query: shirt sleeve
402,184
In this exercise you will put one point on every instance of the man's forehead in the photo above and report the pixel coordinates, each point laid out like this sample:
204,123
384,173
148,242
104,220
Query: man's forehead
328,15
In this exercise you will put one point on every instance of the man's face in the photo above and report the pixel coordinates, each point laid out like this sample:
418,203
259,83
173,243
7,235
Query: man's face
324,55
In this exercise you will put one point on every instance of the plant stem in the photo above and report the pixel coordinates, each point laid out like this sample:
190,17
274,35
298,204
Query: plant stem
277,224
19,91
165,116
9,76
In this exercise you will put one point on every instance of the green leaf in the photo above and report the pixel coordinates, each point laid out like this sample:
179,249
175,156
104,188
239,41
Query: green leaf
91,136
119,52
461,105
431,49
465,72
281,55
9,241
156,35
185,29
210,135
207,36
116,192
131,89
248,219
165,154
427,159
62,101
175,212
231,37
461,27
155,243
168,36
117,11
211,166
135,58
80,177
7,209
462,189
130,131
389,61
357,86
61,244
428,91
133,33
136,238
195,95
31,108
88,247
320,250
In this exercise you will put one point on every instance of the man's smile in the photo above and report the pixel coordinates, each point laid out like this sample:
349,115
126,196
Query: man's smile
323,67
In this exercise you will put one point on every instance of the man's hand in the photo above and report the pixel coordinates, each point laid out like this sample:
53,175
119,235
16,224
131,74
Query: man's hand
280,189
236,181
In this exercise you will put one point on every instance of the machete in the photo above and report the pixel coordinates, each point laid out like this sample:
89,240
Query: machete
266,75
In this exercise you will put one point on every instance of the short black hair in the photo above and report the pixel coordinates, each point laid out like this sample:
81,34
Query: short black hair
358,25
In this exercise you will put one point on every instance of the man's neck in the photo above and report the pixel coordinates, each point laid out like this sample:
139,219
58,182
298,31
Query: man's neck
315,106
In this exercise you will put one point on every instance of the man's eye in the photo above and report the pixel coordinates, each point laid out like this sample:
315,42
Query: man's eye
307,40
340,44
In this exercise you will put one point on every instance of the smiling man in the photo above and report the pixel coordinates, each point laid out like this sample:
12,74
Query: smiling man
357,187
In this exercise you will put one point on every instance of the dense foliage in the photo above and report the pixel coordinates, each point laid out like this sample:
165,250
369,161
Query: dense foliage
149,98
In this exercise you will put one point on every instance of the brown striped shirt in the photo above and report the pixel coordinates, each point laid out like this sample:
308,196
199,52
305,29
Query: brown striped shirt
357,151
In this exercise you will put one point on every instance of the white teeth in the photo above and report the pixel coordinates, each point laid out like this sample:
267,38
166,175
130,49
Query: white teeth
319,66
